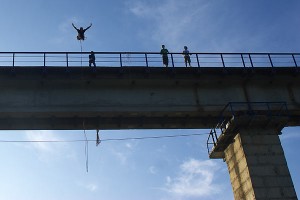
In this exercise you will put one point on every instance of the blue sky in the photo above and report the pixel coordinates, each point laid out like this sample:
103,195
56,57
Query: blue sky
163,169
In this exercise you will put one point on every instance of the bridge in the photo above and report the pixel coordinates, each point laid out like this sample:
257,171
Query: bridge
57,91
131,90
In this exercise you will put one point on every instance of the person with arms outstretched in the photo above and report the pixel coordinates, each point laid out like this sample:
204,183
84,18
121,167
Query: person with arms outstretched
81,31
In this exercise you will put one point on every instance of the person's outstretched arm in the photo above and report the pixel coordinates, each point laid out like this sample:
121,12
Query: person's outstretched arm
74,26
88,27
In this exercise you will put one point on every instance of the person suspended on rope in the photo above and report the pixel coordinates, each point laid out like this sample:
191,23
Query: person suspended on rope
81,31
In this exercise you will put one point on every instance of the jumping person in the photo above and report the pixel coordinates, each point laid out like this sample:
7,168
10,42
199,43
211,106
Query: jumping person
81,31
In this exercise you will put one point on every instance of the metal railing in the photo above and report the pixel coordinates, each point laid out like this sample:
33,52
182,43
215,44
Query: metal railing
236,109
148,59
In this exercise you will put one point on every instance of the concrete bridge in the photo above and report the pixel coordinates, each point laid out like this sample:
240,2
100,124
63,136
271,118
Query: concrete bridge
132,91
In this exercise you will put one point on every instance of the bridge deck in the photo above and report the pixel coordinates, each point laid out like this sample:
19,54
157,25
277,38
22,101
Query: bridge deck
55,98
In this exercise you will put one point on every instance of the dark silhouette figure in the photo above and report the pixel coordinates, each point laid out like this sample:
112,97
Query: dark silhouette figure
92,59
164,52
81,31
187,58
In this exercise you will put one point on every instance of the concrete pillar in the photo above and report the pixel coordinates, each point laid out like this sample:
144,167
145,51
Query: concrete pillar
257,165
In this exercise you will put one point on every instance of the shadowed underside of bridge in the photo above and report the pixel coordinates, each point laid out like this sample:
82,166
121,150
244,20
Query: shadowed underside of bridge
68,98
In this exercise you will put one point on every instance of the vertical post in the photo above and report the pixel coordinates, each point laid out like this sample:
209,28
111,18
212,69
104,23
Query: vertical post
197,60
294,60
216,137
250,60
243,60
270,60
172,60
213,136
121,60
222,60
44,59
146,60
13,60
67,59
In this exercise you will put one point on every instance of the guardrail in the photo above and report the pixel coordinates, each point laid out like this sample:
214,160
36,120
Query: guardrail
236,109
148,59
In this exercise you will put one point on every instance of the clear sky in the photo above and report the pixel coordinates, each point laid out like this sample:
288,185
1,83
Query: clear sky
162,169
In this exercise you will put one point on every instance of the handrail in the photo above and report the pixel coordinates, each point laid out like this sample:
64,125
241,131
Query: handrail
237,109
148,59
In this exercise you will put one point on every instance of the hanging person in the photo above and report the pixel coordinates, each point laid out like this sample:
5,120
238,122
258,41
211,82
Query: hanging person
81,31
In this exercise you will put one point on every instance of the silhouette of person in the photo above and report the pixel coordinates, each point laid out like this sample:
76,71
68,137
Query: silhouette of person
187,58
164,52
81,31
92,59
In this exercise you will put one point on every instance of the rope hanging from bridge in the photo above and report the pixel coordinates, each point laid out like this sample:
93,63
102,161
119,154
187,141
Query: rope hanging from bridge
81,53
86,149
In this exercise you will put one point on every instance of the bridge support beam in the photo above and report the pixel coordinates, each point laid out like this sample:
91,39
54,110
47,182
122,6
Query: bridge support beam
257,166
255,159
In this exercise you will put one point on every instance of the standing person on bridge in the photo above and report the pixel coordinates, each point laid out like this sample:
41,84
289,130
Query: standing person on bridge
81,31
186,54
92,59
164,52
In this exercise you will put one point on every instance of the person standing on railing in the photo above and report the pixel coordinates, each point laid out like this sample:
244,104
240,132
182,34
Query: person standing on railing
186,54
164,52
92,59
81,31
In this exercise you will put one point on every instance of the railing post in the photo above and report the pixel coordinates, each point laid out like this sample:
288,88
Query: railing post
270,60
197,60
146,60
294,60
243,60
172,60
121,60
250,60
44,59
208,143
222,60
67,59
13,60
215,137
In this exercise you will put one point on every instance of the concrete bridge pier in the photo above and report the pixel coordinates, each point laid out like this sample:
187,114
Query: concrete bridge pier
256,162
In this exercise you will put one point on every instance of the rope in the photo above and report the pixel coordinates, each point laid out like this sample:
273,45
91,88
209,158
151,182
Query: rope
104,140
81,52
86,150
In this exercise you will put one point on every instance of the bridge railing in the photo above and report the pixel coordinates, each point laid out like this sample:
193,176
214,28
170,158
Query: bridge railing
148,59
238,109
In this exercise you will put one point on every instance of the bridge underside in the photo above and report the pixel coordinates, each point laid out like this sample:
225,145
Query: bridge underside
60,98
